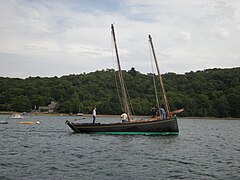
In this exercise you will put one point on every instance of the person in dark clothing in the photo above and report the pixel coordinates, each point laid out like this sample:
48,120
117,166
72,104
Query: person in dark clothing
153,112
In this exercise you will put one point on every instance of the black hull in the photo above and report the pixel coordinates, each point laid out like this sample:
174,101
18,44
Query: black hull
167,126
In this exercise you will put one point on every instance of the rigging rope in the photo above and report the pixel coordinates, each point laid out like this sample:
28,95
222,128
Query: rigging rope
116,79
125,96
131,107
154,82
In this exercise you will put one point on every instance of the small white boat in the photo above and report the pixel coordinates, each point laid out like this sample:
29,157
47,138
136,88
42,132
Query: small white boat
79,114
16,116
3,122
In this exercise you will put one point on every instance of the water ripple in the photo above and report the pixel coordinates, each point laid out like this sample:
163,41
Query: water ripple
204,149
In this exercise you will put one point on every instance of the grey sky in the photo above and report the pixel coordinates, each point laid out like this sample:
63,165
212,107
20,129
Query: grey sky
61,37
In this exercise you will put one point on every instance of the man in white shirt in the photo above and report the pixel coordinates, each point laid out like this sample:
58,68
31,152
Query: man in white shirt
124,117
94,115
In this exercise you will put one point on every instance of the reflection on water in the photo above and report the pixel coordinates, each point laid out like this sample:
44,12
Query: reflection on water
204,149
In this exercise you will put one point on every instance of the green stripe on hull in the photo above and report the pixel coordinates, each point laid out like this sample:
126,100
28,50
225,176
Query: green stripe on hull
141,133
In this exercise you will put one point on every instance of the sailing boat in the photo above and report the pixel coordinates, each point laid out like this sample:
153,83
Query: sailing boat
153,125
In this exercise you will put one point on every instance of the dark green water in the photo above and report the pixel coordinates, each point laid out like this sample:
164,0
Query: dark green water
204,149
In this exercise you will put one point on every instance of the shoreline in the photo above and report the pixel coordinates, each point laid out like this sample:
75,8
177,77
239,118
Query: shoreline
106,115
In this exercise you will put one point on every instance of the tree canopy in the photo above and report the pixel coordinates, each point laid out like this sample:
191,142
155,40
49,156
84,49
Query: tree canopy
212,92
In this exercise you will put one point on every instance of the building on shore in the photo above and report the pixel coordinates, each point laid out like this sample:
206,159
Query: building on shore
49,108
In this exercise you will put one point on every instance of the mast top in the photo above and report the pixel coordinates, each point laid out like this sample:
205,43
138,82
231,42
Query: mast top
125,102
159,77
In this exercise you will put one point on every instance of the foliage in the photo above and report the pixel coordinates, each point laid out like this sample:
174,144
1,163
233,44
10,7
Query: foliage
212,92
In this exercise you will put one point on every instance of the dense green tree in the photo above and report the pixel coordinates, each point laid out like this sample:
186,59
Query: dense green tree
21,104
212,92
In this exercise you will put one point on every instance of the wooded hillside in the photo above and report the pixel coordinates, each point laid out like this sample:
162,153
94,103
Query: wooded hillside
212,92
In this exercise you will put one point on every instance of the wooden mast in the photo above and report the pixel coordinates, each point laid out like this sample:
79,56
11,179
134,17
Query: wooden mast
160,77
123,89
